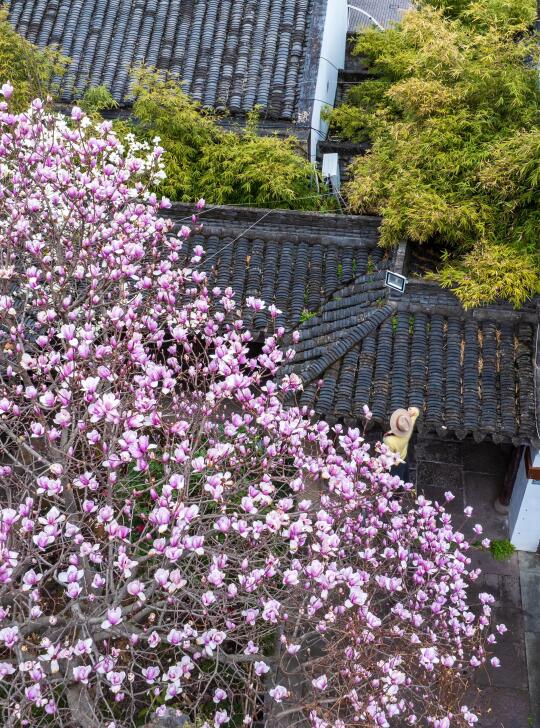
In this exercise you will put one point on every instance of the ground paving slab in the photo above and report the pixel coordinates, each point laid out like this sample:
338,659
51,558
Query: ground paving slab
509,696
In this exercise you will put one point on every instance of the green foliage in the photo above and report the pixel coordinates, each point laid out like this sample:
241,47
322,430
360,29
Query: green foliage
203,159
455,125
307,315
491,272
97,99
502,550
507,15
451,8
33,72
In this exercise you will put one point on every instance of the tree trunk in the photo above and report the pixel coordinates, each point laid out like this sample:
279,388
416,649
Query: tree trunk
81,707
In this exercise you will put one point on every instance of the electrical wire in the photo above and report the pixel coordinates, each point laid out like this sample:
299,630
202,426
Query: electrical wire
241,235
257,222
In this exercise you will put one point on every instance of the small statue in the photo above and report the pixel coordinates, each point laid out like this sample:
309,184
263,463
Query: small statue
397,439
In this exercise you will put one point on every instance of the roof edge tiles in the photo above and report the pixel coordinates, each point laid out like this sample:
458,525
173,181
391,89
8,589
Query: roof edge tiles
358,235
332,225
307,80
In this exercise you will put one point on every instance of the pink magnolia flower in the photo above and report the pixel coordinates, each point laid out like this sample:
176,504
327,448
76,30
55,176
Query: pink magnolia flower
115,680
6,669
279,693
219,695
255,303
221,717
82,673
136,589
7,90
150,674
320,683
114,617
261,667
9,636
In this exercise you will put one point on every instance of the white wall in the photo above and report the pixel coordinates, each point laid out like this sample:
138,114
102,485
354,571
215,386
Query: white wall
331,60
524,512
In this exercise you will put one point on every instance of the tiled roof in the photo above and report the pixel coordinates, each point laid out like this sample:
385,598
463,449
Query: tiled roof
385,12
294,260
470,373
229,53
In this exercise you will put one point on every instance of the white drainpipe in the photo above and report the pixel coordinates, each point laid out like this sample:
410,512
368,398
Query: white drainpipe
332,59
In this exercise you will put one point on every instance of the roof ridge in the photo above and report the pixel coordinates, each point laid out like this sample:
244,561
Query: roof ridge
292,217
336,300
353,337
365,281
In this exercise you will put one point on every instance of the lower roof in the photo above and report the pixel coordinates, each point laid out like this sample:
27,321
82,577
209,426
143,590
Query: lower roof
469,372
294,260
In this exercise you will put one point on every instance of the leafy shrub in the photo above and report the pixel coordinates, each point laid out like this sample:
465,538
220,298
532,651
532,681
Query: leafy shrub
33,72
202,159
508,15
454,120
97,99
502,550
491,271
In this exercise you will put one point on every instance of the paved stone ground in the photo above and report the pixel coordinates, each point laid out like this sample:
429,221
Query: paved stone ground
529,572
474,473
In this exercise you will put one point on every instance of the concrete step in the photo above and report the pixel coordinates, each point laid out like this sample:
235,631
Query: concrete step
348,79
354,62
343,148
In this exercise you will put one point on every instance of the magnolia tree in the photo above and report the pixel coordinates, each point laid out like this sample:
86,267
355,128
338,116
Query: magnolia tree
158,546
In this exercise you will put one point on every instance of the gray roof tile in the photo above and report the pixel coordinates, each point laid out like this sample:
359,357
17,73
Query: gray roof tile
228,53
469,372
294,260
385,12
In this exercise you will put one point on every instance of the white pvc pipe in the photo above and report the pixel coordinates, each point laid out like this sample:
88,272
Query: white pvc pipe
354,21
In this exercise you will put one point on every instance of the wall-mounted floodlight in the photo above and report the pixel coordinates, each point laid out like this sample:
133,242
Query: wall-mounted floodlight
395,281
